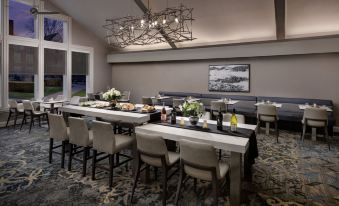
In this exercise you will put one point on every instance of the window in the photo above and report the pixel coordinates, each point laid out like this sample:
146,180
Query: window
55,73
22,69
54,30
21,22
80,64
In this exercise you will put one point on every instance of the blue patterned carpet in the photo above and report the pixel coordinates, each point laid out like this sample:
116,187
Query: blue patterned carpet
284,174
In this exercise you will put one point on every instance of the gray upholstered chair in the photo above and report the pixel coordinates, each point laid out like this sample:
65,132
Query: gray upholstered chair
177,102
105,141
240,118
75,100
199,161
267,113
14,108
81,137
125,96
146,100
60,132
152,151
217,106
315,118
29,111
90,96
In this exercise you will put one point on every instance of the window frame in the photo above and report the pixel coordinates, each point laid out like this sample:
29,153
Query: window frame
42,44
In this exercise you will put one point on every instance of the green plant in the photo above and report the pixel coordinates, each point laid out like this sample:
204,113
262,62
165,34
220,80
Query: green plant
192,108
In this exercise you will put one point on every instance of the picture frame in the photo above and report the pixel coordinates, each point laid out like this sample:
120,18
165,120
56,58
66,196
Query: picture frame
229,78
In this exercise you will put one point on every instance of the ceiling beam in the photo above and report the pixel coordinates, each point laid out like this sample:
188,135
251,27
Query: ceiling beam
144,9
280,9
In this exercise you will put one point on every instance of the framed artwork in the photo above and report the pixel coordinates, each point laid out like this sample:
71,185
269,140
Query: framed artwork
229,78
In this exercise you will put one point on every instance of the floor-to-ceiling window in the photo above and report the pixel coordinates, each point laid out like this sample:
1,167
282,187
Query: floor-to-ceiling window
80,67
54,73
22,70
36,54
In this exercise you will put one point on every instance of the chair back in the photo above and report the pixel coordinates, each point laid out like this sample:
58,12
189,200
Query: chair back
12,104
199,159
218,105
151,149
315,117
146,100
75,100
59,98
178,102
103,137
78,131
267,112
125,95
57,127
28,106
91,96
227,118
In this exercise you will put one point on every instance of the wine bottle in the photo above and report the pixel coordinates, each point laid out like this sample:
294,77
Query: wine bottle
174,116
163,113
219,120
234,122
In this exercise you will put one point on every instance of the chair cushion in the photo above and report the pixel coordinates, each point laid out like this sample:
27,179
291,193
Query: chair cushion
207,175
267,118
122,142
173,157
38,112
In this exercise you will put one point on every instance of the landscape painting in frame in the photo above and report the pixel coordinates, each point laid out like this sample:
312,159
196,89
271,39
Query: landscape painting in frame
229,78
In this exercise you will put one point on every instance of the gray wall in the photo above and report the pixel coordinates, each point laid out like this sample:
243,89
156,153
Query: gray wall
307,76
102,70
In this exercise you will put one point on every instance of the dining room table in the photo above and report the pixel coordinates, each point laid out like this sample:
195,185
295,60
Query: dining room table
241,143
228,102
51,103
277,105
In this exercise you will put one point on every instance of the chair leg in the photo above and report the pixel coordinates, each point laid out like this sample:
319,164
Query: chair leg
277,131
70,157
136,177
39,118
215,191
63,153
23,121
164,186
9,117
111,167
303,135
31,123
155,173
327,138
15,119
181,179
117,158
84,163
93,164
50,150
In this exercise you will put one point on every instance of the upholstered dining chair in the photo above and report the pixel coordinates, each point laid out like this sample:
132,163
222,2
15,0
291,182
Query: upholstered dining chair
75,100
105,141
267,113
146,100
152,151
315,118
217,106
177,102
199,161
79,137
60,132
29,111
14,108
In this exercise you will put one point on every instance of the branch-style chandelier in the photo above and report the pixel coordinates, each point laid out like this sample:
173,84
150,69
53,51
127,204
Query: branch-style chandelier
172,25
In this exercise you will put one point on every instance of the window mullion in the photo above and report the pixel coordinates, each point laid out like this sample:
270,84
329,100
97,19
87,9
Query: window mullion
40,92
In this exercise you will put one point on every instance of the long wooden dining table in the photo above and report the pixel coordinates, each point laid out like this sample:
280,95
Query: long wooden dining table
238,146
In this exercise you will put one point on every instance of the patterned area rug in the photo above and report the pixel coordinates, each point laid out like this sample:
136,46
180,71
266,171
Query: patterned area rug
284,174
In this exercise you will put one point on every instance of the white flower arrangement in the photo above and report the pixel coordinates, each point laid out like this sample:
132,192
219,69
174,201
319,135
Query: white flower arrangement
112,94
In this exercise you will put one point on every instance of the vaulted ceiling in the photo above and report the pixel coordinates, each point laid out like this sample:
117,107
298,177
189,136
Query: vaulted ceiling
218,21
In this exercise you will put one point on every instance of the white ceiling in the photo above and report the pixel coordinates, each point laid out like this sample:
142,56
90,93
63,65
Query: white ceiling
217,21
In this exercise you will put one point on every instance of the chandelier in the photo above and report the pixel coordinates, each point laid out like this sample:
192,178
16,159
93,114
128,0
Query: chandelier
172,25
